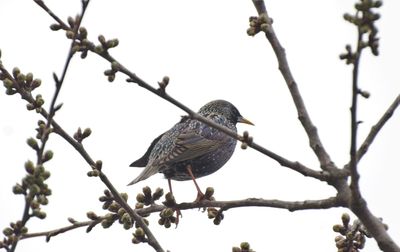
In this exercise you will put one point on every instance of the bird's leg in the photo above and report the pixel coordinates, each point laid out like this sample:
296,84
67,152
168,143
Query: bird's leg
200,194
178,212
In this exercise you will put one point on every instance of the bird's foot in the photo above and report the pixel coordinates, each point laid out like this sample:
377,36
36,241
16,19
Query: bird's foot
178,215
205,196
200,197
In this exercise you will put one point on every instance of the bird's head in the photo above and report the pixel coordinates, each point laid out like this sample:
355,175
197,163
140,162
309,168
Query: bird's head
224,108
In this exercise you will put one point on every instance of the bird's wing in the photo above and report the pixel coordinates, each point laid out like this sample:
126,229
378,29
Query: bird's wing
190,145
142,162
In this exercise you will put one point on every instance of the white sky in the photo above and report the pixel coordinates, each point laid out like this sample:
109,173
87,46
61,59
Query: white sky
203,47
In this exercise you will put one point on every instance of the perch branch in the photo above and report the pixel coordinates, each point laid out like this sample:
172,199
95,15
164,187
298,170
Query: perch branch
251,202
224,205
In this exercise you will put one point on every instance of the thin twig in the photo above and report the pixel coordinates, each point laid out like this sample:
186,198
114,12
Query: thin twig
355,176
81,150
377,128
59,81
57,231
28,200
44,7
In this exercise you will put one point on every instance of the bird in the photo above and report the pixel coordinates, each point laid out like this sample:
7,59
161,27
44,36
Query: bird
192,149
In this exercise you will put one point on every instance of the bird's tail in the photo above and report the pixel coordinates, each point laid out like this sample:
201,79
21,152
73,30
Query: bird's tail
146,173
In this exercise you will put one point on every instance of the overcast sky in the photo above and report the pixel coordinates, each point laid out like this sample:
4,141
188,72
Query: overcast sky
203,47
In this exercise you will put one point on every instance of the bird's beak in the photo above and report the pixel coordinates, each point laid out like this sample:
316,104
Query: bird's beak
244,120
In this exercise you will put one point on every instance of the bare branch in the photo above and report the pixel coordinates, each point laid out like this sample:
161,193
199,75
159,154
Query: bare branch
355,176
223,205
377,128
133,214
54,232
44,7
59,81
311,130
251,202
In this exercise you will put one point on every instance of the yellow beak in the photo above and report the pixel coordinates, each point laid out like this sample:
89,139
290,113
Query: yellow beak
244,120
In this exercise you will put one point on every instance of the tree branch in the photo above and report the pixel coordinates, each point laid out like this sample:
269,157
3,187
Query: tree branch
251,202
354,175
377,128
132,213
311,130
59,81
54,232
223,205
352,199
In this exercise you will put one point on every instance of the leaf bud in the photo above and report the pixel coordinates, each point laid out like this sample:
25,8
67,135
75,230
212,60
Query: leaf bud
101,39
106,223
147,191
8,83
8,231
29,77
158,193
86,132
209,192
32,143
29,166
115,66
69,34
92,215
48,155
114,207
36,83
111,78
140,197
16,71
83,32
139,232
124,196
112,43
236,249
345,219
55,27
18,189
338,228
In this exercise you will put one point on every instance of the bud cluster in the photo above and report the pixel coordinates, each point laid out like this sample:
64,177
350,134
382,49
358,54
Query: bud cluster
244,247
352,237
116,212
257,24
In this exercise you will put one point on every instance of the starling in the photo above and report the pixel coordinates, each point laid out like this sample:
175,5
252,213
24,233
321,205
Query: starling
192,149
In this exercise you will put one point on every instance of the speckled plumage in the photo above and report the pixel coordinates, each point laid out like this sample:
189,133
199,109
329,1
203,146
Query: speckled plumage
193,143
